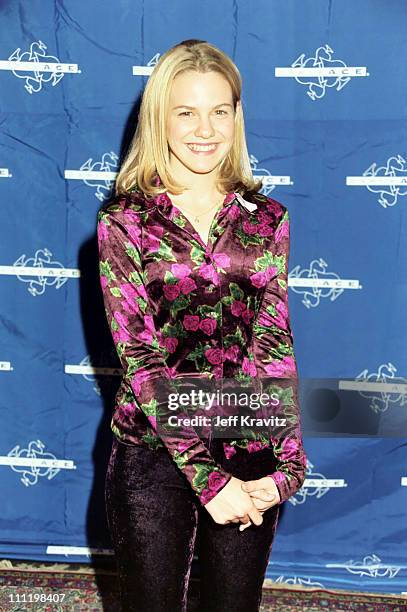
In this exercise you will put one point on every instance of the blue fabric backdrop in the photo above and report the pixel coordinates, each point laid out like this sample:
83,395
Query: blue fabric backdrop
332,141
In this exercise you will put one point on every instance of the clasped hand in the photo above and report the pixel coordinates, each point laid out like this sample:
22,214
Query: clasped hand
243,501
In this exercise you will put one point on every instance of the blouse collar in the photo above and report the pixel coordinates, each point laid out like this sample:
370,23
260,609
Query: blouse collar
163,201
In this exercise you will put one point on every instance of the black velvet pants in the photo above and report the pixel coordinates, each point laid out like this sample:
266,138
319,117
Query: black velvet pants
156,523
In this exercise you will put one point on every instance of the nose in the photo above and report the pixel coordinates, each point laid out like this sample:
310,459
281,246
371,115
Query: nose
204,127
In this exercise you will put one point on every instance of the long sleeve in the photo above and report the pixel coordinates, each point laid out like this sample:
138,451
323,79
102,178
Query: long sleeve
275,362
129,314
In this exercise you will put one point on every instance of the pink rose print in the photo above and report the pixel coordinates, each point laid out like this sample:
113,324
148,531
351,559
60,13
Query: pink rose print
138,379
141,291
208,326
171,292
228,450
249,367
134,233
186,285
128,291
180,270
152,241
289,449
161,198
104,282
278,477
183,446
280,367
233,212
208,272
265,319
237,308
270,272
149,323
205,496
255,445
215,481
171,344
217,372
249,228
282,315
191,322
222,260
153,420
172,372
282,231
232,353
121,336
145,336
214,356
264,218
259,279
131,307
128,212
120,318
273,206
265,230
102,231
247,315
128,409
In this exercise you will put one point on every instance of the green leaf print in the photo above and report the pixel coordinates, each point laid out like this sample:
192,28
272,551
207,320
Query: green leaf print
236,292
200,479
150,409
152,441
248,239
133,253
116,292
197,255
105,270
236,338
165,251
209,311
180,303
181,459
116,431
169,278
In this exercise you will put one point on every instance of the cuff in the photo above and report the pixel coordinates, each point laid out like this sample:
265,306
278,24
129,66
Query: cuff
281,484
217,479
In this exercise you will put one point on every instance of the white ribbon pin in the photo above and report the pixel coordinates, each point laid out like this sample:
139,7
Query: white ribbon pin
250,206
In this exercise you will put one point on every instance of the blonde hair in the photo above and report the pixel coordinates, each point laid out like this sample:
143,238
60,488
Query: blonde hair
148,153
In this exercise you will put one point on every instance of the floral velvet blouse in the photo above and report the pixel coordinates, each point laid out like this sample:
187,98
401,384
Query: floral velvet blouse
177,307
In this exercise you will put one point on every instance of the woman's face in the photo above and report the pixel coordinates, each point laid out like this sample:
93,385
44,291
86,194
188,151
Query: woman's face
200,112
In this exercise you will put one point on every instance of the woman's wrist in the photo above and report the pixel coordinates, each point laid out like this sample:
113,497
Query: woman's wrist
278,479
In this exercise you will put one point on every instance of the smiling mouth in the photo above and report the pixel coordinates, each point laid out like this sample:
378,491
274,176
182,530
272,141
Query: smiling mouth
202,148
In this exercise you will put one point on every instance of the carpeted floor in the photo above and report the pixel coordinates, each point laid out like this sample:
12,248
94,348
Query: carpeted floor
48,587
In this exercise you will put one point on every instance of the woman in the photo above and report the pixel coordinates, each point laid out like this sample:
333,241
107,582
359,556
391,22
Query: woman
194,279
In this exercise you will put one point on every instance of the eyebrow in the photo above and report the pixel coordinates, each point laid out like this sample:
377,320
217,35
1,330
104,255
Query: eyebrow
193,107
